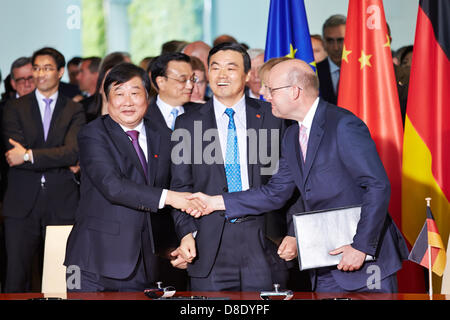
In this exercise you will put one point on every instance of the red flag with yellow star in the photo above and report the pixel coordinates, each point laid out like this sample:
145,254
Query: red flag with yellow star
367,87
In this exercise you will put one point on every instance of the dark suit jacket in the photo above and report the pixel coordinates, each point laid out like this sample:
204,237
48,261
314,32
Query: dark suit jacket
22,122
117,202
210,178
325,83
342,168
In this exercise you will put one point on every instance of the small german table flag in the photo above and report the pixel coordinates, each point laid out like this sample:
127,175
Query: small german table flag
429,240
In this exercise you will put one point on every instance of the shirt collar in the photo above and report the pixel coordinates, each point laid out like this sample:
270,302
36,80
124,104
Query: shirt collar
40,97
140,127
166,108
333,66
238,108
307,121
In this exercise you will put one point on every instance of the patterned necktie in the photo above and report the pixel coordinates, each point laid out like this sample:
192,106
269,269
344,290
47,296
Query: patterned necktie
134,135
232,163
303,141
47,117
174,114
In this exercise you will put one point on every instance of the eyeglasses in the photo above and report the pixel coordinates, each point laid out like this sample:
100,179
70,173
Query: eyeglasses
44,69
192,80
23,80
272,90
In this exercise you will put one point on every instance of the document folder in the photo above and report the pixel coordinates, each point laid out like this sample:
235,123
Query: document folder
319,232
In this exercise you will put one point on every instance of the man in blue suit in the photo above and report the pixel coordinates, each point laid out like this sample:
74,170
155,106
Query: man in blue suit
125,165
332,160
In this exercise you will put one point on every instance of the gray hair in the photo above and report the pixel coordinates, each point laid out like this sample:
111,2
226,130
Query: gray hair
19,63
334,21
253,53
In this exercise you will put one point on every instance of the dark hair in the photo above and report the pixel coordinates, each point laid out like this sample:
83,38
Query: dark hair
75,61
55,54
19,63
234,47
334,21
406,50
158,66
94,63
124,72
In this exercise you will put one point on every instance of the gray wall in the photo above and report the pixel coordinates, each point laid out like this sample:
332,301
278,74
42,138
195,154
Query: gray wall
28,25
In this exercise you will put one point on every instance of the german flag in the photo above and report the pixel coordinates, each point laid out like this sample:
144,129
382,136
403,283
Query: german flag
426,151
429,236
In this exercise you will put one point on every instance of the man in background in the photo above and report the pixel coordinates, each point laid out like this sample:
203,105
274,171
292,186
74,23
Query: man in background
329,69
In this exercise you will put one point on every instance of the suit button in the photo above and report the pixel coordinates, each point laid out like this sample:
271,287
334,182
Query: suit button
225,189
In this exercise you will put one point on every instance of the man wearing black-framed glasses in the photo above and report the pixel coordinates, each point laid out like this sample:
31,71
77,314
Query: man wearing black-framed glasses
22,76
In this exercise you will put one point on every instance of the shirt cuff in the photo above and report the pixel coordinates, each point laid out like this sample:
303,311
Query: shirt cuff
31,156
162,200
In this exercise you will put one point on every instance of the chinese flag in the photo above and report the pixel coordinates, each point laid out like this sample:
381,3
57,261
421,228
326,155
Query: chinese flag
426,149
367,87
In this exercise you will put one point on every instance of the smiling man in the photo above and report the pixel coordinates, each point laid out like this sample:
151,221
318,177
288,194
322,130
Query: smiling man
125,162
40,131
228,255
174,79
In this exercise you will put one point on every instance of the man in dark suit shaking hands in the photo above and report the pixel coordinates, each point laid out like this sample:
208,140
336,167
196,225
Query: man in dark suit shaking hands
40,131
125,164
228,255
329,156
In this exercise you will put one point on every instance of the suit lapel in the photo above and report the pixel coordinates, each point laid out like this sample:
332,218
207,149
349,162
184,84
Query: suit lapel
123,142
36,117
59,106
255,118
297,159
315,137
153,142
154,114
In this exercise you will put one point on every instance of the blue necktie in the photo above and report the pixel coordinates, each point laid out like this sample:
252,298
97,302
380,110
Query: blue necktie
174,114
232,163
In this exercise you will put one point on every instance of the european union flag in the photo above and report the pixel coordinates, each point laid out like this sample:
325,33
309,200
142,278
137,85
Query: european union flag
288,32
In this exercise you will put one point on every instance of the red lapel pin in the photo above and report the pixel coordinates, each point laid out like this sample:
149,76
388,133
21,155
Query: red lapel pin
258,115
156,156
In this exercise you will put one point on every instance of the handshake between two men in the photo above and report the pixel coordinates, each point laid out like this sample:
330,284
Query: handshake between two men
198,205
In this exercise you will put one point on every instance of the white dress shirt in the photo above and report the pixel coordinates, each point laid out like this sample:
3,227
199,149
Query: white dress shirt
307,121
40,99
41,103
142,139
240,119
166,110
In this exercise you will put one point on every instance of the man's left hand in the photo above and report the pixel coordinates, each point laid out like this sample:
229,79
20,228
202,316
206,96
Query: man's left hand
14,156
352,259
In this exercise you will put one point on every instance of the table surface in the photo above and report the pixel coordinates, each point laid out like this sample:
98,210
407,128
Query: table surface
226,295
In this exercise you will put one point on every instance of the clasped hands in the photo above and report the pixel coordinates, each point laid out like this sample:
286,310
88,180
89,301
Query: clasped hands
351,260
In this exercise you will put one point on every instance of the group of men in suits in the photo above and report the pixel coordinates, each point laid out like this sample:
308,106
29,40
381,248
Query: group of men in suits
330,158
130,183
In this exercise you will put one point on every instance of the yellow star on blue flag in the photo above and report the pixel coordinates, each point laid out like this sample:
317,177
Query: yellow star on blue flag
288,32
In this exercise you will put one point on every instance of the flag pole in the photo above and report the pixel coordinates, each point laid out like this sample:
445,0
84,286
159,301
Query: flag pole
430,280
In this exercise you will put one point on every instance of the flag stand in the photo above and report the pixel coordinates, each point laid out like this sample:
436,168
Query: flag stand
430,278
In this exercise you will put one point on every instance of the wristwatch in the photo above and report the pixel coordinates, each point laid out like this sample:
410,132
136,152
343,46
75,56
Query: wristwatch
26,156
